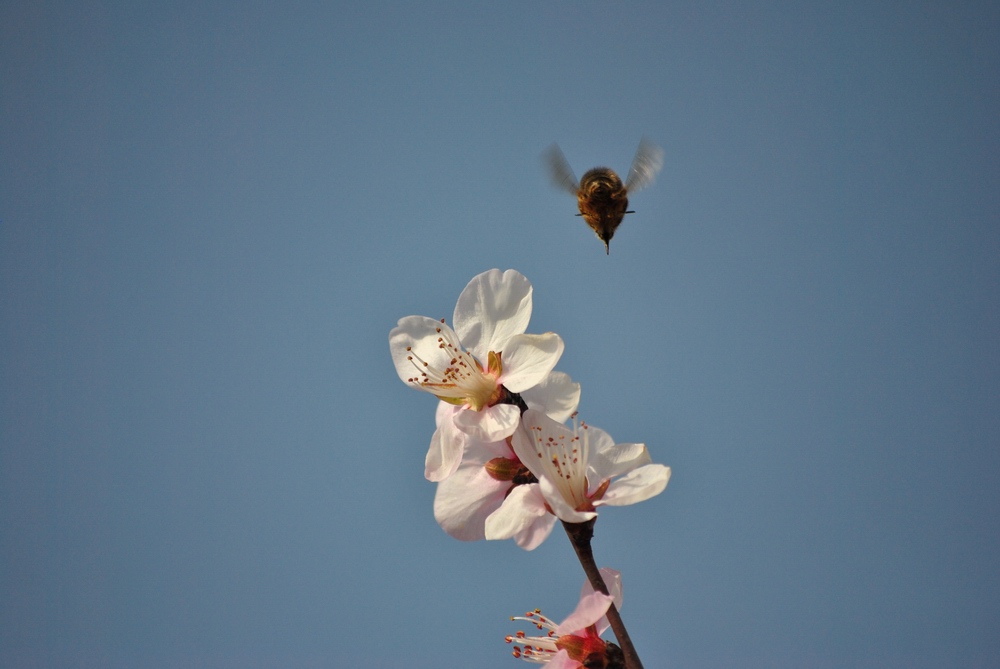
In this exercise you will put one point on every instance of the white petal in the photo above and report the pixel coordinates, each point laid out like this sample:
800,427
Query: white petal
524,445
518,512
528,359
491,424
559,505
478,452
591,608
638,485
598,439
445,452
531,538
464,501
445,413
557,395
607,463
492,308
420,334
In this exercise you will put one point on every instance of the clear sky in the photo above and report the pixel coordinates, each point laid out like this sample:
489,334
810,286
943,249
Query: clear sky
212,214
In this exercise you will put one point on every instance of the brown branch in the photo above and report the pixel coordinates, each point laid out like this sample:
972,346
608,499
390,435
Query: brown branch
580,535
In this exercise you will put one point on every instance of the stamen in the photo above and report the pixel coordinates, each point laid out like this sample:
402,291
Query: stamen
462,380
565,460
539,649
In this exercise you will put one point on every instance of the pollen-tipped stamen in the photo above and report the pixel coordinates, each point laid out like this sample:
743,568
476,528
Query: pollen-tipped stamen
537,649
463,380
565,460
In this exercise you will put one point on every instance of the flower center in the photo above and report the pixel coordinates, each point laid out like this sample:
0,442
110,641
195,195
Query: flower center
564,459
462,380
589,649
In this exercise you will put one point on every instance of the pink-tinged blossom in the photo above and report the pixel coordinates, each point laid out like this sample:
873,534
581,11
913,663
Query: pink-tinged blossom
473,366
491,475
578,470
576,642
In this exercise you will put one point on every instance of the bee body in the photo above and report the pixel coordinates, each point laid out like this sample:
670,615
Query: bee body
603,202
601,195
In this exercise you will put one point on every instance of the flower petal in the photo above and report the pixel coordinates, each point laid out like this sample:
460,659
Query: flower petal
557,395
532,537
523,506
591,608
444,413
558,503
464,500
524,446
606,463
528,359
638,485
478,452
561,660
612,579
447,445
598,439
416,338
491,424
492,308
443,456
552,453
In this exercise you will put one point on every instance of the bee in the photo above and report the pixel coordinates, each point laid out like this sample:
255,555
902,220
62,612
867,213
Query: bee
600,194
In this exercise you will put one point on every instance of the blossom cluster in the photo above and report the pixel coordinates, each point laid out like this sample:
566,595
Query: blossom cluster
505,461
508,462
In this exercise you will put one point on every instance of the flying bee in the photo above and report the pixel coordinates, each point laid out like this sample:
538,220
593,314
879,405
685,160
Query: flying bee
600,194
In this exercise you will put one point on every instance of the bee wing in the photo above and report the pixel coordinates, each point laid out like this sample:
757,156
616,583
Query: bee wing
647,162
559,170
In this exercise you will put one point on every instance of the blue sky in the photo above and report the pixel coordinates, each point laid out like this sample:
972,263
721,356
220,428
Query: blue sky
212,214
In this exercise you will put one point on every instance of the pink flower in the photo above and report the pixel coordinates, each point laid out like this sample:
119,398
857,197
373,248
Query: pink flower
576,642
490,474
